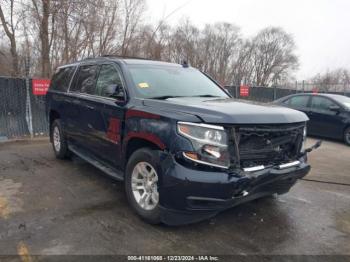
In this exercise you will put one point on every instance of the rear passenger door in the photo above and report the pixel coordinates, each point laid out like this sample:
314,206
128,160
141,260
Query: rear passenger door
57,99
87,121
326,122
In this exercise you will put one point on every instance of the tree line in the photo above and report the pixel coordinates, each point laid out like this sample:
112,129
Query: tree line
45,34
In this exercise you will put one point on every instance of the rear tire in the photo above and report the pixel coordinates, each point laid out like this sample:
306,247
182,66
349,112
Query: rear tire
58,140
347,136
141,184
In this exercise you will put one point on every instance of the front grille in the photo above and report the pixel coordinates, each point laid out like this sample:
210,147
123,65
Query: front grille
266,144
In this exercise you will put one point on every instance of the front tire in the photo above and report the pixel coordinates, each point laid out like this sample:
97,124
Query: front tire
58,140
141,184
347,136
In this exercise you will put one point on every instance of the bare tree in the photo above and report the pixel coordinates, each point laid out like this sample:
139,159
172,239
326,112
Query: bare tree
132,11
44,14
273,55
213,49
71,30
221,43
183,43
334,80
4,55
242,69
10,27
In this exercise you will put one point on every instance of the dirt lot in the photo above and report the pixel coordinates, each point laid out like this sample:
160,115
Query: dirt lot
49,206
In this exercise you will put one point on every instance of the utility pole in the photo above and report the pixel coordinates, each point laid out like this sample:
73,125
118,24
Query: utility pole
29,117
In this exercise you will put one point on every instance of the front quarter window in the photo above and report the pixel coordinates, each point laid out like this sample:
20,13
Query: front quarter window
299,101
172,81
108,76
86,80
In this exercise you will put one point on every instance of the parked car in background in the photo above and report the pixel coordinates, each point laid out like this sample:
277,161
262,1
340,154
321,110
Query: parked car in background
184,147
329,114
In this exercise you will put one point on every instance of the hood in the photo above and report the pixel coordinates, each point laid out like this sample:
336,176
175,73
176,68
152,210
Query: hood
229,111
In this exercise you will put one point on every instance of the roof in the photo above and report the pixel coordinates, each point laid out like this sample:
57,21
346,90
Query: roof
319,94
131,61
126,60
333,95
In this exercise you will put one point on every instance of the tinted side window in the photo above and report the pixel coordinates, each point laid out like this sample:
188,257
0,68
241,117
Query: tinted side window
108,75
298,101
61,79
86,80
321,103
286,102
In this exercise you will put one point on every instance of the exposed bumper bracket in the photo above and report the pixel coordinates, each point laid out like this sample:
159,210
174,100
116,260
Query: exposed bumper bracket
310,149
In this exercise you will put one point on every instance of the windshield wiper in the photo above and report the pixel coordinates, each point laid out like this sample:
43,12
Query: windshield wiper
166,97
206,96
163,97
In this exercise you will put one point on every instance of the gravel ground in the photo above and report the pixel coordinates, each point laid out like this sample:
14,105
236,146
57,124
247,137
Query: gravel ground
50,206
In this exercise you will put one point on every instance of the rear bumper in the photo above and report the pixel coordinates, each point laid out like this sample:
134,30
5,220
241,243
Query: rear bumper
190,195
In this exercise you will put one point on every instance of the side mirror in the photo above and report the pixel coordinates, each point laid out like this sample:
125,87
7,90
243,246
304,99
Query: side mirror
334,108
115,91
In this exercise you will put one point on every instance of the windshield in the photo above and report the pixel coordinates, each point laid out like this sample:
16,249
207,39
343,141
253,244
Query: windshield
165,82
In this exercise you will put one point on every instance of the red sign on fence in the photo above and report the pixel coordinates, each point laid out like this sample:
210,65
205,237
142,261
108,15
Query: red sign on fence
40,86
244,90
315,90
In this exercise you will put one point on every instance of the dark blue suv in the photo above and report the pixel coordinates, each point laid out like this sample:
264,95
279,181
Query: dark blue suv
185,149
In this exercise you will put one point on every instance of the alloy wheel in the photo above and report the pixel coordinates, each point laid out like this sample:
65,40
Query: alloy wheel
347,136
56,139
144,180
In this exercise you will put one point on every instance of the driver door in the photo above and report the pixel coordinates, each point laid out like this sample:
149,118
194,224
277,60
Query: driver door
108,140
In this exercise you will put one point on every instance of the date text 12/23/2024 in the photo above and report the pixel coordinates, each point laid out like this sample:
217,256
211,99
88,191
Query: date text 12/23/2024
173,258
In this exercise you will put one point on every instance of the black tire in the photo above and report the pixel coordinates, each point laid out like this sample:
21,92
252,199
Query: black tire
61,152
347,136
148,156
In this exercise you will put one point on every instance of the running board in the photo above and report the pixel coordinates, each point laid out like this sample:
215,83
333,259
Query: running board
104,167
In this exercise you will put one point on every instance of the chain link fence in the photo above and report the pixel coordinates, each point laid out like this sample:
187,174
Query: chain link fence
269,94
22,114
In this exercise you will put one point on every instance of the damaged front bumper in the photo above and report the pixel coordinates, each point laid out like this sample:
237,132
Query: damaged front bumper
189,195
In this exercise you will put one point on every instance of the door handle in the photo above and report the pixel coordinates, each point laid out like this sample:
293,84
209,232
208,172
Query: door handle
90,107
76,101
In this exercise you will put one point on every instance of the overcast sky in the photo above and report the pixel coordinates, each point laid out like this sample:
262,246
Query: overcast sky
321,28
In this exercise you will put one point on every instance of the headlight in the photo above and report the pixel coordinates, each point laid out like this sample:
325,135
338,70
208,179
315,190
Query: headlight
209,143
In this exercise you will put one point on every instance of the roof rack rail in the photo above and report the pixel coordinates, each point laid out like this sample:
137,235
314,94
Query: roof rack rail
126,57
113,56
88,58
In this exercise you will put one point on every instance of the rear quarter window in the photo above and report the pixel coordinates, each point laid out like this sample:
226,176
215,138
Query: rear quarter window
321,103
60,81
